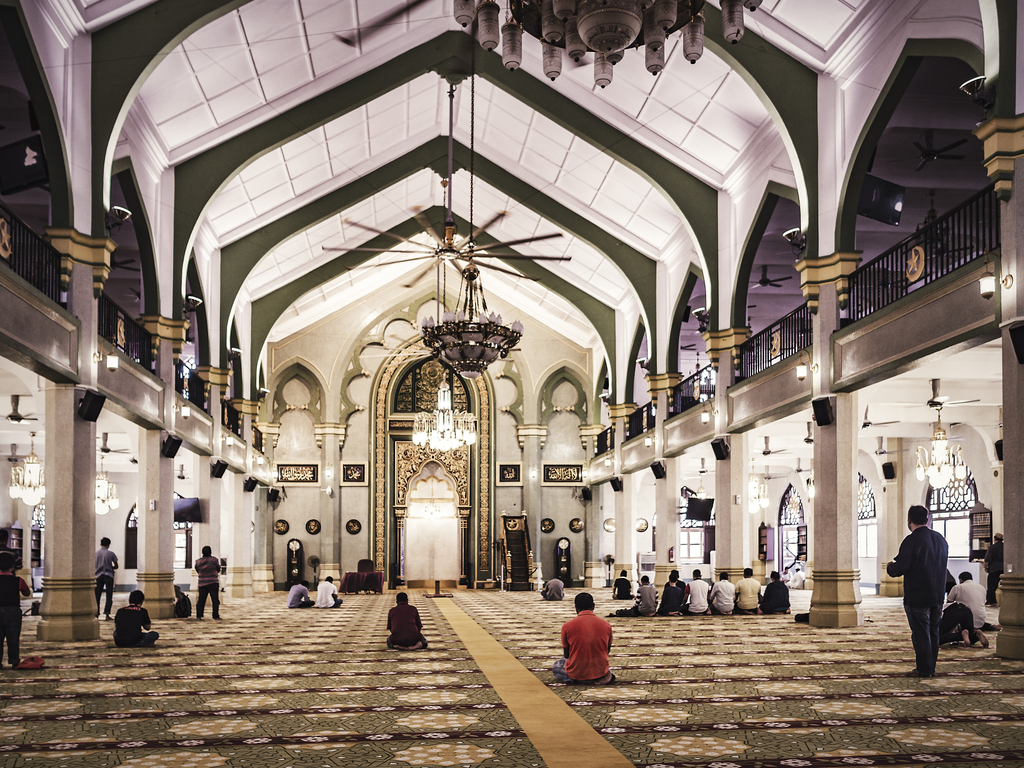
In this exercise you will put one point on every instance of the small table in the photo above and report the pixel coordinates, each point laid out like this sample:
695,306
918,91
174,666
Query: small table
359,581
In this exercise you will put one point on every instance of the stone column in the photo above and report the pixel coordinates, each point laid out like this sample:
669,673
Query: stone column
531,440
330,438
593,567
239,511
622,501
68,606
666,489
892,519
263,545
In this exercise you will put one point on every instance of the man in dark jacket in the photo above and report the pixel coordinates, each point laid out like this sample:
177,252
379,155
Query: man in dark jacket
994,568
776,596
922,564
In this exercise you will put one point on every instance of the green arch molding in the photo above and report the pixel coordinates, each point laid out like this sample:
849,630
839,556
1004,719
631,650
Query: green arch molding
602,374
999,23
914,51
236,368
511,372
268,309
316,387
563,375
634,352
202,325
15,26
129,182
124,54
689,283
769,199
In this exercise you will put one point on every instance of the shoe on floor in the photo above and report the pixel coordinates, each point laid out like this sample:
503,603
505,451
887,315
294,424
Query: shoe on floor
916,673
109,617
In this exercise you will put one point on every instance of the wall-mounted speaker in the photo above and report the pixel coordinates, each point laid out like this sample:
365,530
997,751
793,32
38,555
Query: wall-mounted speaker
586,494
249,484
90,405
217,468
1017,339
658,468
170,446
616,484
721,448
999,449
889,471
274,495
824,414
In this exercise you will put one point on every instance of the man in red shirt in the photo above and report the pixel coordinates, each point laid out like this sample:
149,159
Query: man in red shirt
586,641
405,626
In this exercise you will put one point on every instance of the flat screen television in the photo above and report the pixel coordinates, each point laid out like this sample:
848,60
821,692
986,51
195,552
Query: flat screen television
881,200
187,511
699,509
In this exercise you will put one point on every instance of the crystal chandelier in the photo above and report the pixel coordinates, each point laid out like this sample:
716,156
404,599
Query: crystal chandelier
444,429
810,486
758,491
606,27
106,493
27,481
944,463
701,493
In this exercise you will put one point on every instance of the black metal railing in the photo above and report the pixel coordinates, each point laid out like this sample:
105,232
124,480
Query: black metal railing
640,420
954,239
779,340
605,441
231,418
191,386
257,439
120,329
29,256
696,388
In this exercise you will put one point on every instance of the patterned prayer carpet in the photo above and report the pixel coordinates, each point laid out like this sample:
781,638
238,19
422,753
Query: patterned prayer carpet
268,686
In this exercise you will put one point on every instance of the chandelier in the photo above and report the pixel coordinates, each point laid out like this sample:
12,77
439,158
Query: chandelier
758,486
106,493
701,493
444,429
810,486
944,463
606,27
27,481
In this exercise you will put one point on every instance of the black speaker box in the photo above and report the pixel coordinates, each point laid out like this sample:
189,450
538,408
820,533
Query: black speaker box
249,484
274,495
170,446
616,484
999,449
823,411
1017,340
658,469
217,468
721,448
586,494
889,471
90,405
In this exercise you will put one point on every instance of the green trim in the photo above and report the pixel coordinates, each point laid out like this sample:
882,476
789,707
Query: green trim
769,199
126,178
202,324
311,380
16,28
547,390
914,51
634,352
509,370
602,374
689,283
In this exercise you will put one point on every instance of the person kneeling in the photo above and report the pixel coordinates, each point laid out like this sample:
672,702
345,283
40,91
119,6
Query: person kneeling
130,621
586,641
405,626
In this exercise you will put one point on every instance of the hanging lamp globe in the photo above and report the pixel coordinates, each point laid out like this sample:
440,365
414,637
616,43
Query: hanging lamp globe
607,26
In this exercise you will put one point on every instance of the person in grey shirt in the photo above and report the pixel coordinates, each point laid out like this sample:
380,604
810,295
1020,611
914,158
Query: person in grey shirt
106,564
553,590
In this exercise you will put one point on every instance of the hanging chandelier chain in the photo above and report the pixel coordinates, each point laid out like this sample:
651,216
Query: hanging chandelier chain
472,141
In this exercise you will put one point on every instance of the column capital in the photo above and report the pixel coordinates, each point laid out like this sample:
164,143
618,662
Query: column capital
725,340
77,248
1003,139
524,431
245,407
662,382
216,376
166,329
270,430
323,433
834,268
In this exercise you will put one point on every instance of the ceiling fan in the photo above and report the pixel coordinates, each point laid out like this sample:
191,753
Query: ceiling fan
868,423
769,282
768,450
810,433
126,265
930,153
881,450
14,416
105,449
379,23
940,401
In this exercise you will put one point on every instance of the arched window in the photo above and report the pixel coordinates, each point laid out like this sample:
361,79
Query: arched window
131,539
791,525
950,510
867,523
791,508
865,499
417,391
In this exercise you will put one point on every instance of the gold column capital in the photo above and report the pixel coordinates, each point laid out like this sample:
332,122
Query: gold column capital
620,410
166,329
524,431
662,382
77,248
725,340
834,268
245,407
1003,143
216,376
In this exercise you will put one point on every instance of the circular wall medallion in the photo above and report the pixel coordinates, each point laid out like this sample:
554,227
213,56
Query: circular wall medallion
575,525
609,524
281,526
313,527
547,525
353,526
641,525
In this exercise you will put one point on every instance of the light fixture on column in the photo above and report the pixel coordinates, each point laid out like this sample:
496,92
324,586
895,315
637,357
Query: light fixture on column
758,489
444,429
810,486
701,493
27,480
944,463
987,281
106,492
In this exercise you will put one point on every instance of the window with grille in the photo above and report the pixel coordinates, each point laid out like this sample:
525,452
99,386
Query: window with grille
950,510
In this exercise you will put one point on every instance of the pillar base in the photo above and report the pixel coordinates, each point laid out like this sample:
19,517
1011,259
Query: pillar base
629,568
326,569
594,575
262,578
835,601
661,572
238,582
890,586
68,609
159,591
1011,615
760,569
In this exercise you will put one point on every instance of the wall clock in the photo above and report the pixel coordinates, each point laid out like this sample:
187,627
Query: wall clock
641,525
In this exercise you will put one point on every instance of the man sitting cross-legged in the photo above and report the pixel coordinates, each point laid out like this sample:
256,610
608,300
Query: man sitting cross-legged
405,626
586,641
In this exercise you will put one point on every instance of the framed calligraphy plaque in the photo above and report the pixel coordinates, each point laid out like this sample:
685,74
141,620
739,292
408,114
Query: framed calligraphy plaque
353,474
509,474
562,474
298,474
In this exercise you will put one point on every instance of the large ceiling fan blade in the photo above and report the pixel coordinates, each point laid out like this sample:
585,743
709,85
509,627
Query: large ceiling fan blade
419,276
428,227
524,240
954,145
950,157
518,257
392,235
490,223
962,402
496,268
922,150
380,22
781,279
923,163
425,252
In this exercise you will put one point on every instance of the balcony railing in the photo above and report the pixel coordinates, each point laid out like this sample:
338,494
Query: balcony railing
191,386
605,441
779,340
232,419
952,240
257,439
29,256
697,388
640,420
118,328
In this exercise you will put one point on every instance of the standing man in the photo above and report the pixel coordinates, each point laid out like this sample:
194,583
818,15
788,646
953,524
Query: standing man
994,568
208,568
922,564
586,641
106,564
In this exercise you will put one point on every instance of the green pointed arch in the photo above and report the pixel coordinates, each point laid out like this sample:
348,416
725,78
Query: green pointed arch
564,375
129,182
689,283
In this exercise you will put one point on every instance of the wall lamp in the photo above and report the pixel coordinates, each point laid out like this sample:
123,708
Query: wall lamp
987,282
803,366
112,360
706,414
796,238
185,410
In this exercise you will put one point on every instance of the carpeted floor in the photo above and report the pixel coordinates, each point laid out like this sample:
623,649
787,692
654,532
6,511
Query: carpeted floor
269,686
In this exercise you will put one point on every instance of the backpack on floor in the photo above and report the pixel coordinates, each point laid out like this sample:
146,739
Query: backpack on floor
31,662
183,608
